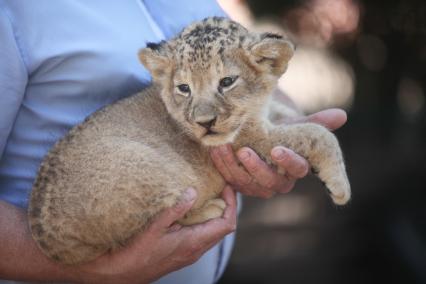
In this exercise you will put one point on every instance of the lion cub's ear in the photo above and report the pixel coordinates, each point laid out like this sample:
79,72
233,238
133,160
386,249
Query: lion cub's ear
273,52
155,58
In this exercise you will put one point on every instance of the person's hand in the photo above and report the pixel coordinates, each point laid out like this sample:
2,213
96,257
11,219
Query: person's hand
318,22
163,247
256,178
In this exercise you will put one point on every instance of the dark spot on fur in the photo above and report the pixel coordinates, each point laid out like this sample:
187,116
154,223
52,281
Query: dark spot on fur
271,35
38,230
52,209
51,172
35,212
36,183
44,179
43,244
37,198
314,143
218,19
155,46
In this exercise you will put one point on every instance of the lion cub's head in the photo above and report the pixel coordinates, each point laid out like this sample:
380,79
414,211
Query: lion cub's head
215,75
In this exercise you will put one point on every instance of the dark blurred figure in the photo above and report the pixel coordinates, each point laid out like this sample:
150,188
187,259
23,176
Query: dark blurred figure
381,236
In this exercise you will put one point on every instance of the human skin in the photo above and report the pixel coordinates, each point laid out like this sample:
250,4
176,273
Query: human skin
164,247
256,178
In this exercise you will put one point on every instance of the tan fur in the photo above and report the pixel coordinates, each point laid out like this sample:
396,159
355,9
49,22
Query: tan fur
105,180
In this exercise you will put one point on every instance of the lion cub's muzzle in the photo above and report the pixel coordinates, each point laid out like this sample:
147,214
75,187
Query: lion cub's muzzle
205,115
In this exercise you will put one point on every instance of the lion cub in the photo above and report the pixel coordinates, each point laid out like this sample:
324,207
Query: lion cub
104,181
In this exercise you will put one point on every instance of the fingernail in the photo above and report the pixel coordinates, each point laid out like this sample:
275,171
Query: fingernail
244,155
278,154
189,195
224,149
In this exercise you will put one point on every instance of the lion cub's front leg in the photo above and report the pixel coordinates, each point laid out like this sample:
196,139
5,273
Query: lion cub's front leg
319,146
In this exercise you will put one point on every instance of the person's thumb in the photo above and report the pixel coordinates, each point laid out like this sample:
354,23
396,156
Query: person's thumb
332,118
170,215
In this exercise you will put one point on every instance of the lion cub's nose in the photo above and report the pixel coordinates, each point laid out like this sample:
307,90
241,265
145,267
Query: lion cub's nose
207,122
205,114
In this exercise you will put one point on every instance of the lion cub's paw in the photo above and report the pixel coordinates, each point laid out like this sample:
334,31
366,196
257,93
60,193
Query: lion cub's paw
339,189
213,208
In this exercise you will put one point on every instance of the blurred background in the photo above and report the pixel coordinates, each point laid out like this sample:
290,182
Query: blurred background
369,58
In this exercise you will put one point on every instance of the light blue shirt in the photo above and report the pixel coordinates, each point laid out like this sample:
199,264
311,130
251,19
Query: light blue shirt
62,60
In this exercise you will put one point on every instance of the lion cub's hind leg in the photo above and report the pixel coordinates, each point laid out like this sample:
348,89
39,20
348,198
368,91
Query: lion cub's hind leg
96,211
213,208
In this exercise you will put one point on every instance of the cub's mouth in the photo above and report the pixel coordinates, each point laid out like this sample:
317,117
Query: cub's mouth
213,137
211,132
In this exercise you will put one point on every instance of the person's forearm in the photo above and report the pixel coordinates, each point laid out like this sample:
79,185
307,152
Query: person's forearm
20,257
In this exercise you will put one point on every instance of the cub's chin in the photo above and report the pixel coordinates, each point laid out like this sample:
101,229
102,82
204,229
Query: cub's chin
216,139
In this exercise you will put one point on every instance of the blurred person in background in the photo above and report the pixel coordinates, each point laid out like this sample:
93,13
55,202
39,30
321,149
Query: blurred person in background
317,77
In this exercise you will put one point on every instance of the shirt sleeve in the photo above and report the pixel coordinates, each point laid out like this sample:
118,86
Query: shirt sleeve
13,78
173,16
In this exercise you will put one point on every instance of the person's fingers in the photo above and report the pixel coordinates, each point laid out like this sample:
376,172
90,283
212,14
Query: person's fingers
332,118
213,230
294,165
287,186
226,163
239,176
256,178
264,175
170,215
195,240
220,165
173,228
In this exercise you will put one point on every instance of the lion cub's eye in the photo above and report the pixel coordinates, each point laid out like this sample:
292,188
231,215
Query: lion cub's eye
184,89
227,81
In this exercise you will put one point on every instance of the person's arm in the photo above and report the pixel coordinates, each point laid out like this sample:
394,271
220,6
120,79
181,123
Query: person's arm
162,248
20,258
